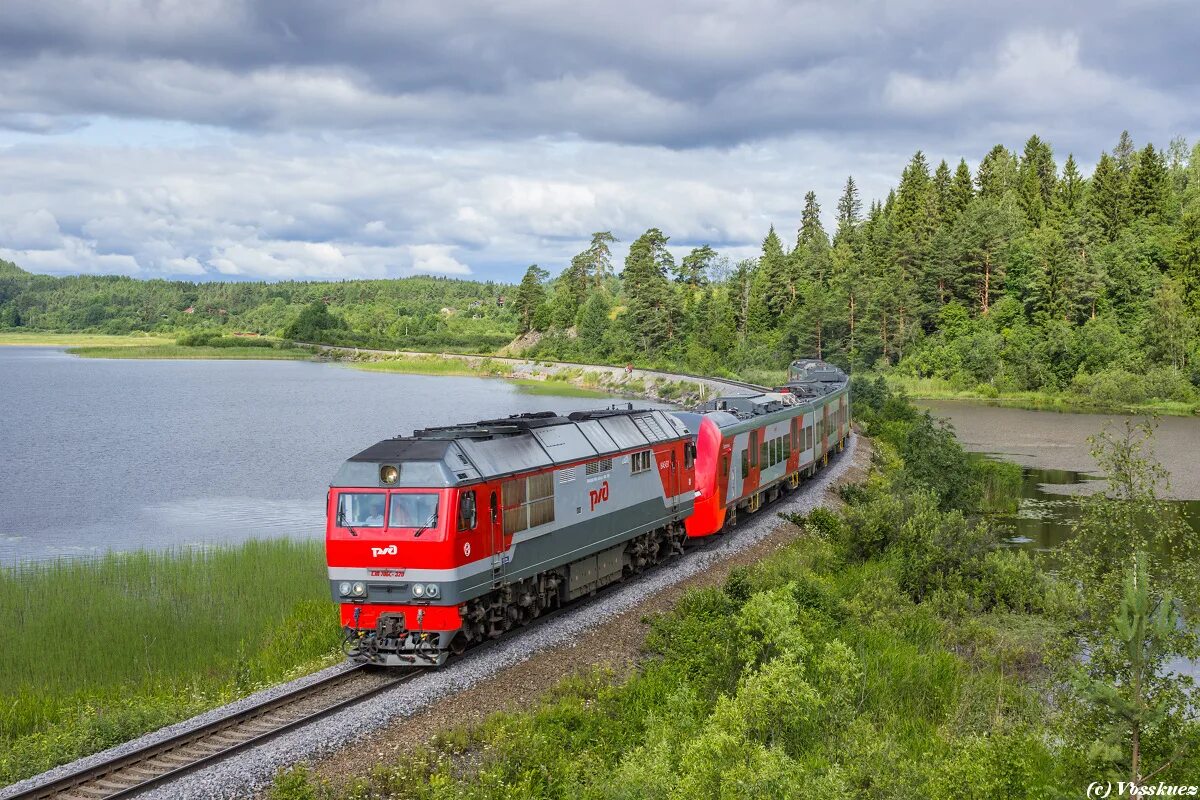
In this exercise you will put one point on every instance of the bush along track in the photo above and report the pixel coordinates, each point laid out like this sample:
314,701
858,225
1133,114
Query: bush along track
894,649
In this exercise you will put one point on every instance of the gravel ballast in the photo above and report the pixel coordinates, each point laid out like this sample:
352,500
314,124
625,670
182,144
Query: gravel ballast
411,711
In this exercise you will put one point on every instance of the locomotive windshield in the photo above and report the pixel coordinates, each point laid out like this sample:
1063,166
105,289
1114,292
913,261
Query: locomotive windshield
361,510
414,511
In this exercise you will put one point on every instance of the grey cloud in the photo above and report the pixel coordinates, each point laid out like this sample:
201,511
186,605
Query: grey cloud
681,75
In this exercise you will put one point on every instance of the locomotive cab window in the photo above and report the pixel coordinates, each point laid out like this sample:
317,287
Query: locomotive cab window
640,462
689,455
466,511
361,510
414,511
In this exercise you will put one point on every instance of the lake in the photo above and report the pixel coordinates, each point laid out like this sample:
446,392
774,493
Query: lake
1053,451
99,455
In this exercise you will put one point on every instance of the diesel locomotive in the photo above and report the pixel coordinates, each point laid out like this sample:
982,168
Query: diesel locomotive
454,535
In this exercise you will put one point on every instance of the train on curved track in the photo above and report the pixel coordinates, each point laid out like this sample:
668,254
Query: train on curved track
455,535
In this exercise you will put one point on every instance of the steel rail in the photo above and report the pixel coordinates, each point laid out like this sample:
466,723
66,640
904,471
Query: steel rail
185,752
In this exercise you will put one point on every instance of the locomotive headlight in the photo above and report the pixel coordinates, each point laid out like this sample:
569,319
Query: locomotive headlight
418,590
431,589
344,588
359,588
388,474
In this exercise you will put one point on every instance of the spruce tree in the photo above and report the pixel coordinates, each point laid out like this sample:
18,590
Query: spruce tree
1148,185
1124,154
1106,198
774,286
1070,191
593,325
810,259
943,187
849,213
997,173
964,189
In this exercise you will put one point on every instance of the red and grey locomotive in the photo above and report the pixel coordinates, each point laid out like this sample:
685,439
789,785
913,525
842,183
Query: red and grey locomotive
455,535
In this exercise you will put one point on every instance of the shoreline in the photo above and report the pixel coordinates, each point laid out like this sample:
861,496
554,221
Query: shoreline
919,389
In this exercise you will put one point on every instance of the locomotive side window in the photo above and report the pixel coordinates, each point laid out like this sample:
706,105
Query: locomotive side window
363,510
528,502
466,511
762,455
689,455
745,463
414,511
787,447
596,467
640,462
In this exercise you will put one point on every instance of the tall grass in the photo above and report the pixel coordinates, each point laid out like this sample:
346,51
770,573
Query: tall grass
99,651
176,351
34,338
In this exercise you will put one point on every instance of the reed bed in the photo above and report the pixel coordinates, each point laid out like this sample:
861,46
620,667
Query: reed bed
99,651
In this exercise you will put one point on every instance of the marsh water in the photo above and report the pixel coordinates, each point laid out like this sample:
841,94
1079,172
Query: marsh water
100,454
1053,451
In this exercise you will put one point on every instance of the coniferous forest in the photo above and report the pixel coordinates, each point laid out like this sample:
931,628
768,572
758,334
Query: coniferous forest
1021,275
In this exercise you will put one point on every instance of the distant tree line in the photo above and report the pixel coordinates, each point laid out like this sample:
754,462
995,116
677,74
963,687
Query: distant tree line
1019,276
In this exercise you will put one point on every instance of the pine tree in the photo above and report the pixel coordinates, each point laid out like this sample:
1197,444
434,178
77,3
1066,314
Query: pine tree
651,314
1148,185
571,290
599,257
982,238
693,269
530,296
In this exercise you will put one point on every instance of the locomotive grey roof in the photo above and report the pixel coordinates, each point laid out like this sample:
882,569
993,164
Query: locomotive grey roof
467,453
808,379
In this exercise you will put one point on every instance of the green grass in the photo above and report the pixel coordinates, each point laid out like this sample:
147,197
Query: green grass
100,651
940,389
564,386
32,339
430,365
556,388
175,351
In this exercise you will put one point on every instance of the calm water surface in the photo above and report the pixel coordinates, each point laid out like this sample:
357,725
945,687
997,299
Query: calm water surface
1053,451
99,455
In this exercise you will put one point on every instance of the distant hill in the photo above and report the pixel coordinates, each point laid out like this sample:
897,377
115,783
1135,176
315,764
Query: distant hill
7,268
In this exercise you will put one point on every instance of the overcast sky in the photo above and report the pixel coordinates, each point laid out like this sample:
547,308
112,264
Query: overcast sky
229,139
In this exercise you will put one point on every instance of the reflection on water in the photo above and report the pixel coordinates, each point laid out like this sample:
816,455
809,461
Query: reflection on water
1050,506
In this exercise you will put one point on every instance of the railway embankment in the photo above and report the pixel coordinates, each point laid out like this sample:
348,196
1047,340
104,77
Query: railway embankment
555,376
606,632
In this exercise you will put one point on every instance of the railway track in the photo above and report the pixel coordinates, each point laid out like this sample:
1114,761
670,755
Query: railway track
127,775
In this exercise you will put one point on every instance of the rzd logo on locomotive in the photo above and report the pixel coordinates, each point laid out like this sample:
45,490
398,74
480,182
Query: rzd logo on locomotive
598,495
390,550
